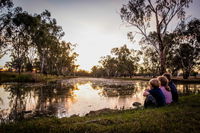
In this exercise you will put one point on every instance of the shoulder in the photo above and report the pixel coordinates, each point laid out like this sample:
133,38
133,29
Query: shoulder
152,90
162,88
171,83
172,86
157,90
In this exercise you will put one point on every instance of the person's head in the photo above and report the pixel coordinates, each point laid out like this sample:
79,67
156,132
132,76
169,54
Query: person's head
168,76
164,82
154,83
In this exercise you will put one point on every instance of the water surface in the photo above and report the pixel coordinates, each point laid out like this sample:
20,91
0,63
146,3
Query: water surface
76,96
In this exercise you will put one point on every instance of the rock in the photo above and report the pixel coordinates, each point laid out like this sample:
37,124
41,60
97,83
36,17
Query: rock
27,111
136,104
74,115
101,111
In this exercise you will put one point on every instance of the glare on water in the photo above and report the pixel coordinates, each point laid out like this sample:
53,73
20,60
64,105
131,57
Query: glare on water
76,96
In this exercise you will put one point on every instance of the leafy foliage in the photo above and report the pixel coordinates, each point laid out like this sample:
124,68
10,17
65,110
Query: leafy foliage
123,62
144,13
35,42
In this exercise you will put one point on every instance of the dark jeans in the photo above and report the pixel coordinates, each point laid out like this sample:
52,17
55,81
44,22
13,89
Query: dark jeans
150,102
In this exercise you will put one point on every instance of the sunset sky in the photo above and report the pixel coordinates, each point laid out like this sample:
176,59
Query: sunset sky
94,25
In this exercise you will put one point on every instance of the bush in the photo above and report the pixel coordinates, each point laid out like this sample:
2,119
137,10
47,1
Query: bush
25,78
7,76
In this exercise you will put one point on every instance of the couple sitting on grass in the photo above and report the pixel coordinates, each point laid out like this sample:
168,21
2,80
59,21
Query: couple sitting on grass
162,92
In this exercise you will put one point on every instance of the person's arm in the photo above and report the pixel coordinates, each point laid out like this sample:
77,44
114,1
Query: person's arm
146,93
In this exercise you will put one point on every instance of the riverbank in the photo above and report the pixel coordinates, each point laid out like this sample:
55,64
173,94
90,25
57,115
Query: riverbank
28,77
183,117
36,77
175,79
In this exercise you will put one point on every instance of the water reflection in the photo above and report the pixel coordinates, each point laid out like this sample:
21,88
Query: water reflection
24,100
187,89
75,96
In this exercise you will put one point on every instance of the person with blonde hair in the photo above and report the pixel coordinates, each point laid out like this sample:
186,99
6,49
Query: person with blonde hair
172,87
165,89
154,95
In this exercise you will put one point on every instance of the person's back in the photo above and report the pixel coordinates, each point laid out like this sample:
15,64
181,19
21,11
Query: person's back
158,95
155,92
167,94
174,91
172,87
165,89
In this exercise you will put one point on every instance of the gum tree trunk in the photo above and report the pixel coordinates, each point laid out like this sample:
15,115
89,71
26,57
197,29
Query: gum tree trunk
162,62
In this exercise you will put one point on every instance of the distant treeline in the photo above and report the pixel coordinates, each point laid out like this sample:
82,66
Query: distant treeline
34,42
125,62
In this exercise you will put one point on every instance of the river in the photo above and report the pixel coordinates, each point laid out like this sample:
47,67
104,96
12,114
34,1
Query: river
76,96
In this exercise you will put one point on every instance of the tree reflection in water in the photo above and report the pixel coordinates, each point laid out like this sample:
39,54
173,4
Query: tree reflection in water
18,99
75,96
188,89
26,100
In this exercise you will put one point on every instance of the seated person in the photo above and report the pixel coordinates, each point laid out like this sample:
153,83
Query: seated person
172,87
155,92
165,89
150,101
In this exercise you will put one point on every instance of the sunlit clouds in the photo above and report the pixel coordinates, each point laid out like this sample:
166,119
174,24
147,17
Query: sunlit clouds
94,25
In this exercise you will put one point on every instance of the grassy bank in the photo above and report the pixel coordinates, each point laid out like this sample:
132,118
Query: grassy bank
27,77
183,117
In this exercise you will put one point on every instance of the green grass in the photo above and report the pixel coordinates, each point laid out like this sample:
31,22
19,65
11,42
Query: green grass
183,117
27,77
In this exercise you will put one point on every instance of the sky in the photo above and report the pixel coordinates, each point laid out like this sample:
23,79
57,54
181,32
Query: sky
94,25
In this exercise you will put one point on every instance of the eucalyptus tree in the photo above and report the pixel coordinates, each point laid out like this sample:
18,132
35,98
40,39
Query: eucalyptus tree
98,71
151,55
5,13
94,71
188,52
36,40
63,59
154,16
150,62
46,38
110,65
121,62
19,38
55,56
5,19
127,60
67,58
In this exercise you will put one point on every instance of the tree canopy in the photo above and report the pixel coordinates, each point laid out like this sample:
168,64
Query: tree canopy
34,41
143,14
